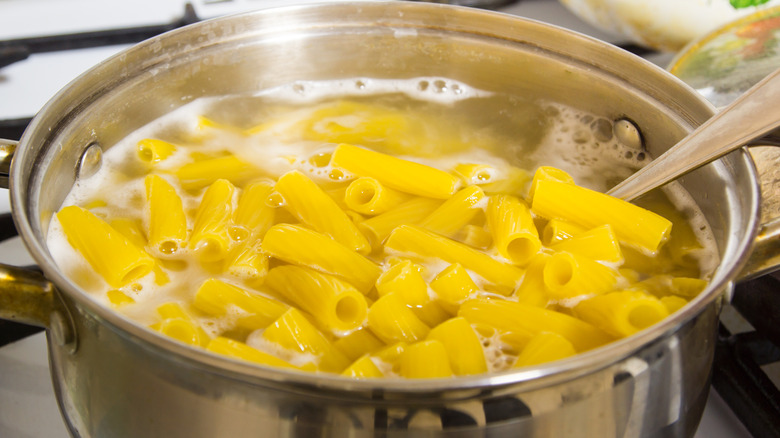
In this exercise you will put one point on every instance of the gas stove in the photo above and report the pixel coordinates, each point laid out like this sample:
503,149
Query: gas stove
46,43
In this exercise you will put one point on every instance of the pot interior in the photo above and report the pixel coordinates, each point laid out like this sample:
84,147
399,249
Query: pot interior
252,52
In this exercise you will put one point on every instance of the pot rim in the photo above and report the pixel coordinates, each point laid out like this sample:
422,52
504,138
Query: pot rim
530,377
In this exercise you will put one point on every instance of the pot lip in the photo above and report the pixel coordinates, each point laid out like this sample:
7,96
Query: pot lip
542,375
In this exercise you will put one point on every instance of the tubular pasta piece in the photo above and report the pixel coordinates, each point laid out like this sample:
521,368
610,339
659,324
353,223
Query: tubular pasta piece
512,228
363,368
253,213
622,313
455,212
216,298
210,237
358,343
425,360
239,350
248,262
167,221
463,347
392,321
368,196
525,320
312,206
475,236
177,324
453,286
557,230
337,305
300,246
294,332
405,279
548,173
202,173
633,225
152,150
403,175
544,347
108,251
599,243
532,290
568,275
410,212
415,242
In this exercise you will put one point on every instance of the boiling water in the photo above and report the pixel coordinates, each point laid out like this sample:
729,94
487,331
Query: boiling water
450,123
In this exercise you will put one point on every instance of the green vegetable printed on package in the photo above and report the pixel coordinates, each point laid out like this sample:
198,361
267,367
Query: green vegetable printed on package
737,4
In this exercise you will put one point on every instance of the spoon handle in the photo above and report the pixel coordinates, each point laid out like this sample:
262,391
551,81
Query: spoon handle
751,116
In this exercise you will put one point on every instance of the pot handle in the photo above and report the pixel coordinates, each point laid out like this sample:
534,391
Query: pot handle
26,296
765,257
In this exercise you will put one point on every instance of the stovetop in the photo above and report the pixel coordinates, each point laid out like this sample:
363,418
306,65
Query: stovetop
28,408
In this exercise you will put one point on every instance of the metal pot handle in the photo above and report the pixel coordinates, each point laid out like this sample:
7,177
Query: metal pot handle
765,256
25,296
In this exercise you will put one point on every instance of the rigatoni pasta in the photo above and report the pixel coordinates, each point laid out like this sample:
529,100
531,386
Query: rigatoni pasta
332,245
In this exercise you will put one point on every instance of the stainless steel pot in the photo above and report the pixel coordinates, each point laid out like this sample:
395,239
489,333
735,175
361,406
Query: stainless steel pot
116,379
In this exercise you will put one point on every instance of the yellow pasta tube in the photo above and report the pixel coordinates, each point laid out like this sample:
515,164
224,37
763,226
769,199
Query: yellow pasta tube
453,286
248,262
292,331
405,279
599,243
253,216
132,229
358,343
663,285
464,349
525,320
108,251
337,305
363,368
568,275
510,181
622,313
368,196
673,303
512,226
312,206
202,173
475,173
177,324
544,347
633,225
255,311
425,360
392,321
415,242
391,354
403,175
300,246
557,230
117,298
152,150
532,290
548,173
210,238
239,350
167,221
410,212
475,236
431,313
455,212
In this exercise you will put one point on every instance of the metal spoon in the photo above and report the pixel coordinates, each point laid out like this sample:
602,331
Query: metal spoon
750,117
